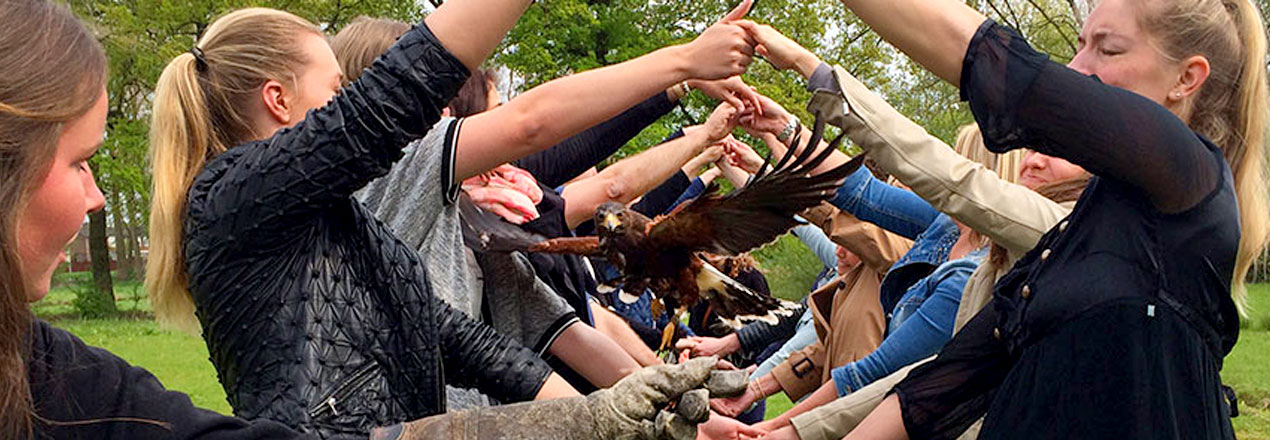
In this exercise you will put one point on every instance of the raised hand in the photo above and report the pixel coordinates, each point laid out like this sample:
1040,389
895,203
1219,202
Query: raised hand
733,90
781,51
721,122
772,119
723,50
742,155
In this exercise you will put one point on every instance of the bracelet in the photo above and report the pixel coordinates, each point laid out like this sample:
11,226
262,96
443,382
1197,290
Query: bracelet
788,131
683,86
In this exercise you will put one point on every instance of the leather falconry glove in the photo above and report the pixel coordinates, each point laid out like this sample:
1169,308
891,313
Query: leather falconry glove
635,408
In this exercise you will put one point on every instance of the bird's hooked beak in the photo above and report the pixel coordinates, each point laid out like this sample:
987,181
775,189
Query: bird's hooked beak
611,222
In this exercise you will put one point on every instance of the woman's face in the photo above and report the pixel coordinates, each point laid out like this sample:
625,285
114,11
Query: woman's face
56,209
846,260
1039,169
1114,47
319,81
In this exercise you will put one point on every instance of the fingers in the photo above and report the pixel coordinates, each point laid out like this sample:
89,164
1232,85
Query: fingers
750,431
738,12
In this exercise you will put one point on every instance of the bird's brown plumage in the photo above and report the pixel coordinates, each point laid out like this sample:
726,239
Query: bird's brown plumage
663,253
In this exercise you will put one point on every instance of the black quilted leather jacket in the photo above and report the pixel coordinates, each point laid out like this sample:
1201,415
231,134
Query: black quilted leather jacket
314,313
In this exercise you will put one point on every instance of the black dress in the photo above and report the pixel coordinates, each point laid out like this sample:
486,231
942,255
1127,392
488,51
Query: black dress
1116,324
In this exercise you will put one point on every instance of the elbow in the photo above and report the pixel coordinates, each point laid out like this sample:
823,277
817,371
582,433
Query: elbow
527,129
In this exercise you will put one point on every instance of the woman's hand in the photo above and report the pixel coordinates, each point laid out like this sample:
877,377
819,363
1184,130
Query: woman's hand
733,406
723,50
781,51
720,122
724,428
733,90
786,432
743,156
772,119
703,346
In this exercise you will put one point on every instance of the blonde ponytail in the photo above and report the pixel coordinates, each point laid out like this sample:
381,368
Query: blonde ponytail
181,140
200,110
1248,163
1230,109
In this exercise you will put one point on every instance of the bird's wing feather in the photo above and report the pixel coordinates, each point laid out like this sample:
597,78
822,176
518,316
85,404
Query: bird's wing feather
742,220
585,246
484,231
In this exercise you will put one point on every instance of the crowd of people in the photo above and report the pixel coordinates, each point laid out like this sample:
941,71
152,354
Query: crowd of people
1071,268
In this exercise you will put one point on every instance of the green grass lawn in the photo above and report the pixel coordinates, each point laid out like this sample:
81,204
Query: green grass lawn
180,360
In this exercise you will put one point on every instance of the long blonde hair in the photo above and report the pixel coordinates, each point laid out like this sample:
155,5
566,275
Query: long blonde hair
1230,109
200,110
53,72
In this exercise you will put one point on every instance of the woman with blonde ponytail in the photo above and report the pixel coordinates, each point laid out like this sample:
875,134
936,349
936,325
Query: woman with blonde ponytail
1119,320
52,120
315,315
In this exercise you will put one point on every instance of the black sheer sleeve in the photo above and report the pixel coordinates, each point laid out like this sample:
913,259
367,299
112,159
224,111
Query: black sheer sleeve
941,398
1022,99
568,159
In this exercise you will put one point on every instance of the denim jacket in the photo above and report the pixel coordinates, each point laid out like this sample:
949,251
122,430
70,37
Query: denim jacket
904,213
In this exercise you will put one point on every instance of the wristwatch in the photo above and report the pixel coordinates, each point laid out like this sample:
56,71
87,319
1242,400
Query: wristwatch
790,128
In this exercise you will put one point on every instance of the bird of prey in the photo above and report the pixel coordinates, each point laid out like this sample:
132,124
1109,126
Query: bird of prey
665,254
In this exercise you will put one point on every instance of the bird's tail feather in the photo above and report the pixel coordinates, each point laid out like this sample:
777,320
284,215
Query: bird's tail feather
736,304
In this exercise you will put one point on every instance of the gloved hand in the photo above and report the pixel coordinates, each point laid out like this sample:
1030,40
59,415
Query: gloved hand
635,408
630,409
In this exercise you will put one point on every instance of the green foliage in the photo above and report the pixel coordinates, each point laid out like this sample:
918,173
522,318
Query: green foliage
789,266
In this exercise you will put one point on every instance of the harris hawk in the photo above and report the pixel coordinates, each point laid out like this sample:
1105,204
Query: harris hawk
666,254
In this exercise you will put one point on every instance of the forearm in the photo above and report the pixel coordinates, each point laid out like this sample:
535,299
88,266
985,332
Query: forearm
575,102
819,244
630,178
471,29
823,395
884,423
616,328
946,29
593,355
555,388
571,157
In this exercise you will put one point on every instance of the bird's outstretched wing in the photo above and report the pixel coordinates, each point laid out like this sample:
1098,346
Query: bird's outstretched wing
484,231
742,220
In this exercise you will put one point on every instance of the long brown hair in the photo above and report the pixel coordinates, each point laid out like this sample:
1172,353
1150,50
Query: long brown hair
53,71
200,110
1230,109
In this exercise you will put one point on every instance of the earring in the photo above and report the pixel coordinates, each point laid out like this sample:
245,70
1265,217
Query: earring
1177,95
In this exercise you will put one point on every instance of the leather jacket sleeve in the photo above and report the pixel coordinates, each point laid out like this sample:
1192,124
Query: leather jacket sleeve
271,188
476,356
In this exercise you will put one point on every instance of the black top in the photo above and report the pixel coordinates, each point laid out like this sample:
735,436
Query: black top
1115,325
568,159
82,392
314,313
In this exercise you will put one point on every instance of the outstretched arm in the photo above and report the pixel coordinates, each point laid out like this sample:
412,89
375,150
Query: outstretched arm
632,177
575,102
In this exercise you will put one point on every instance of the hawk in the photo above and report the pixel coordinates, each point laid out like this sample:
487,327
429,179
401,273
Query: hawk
666,254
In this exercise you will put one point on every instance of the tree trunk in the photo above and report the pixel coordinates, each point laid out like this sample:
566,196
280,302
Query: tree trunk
102,295
122,250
